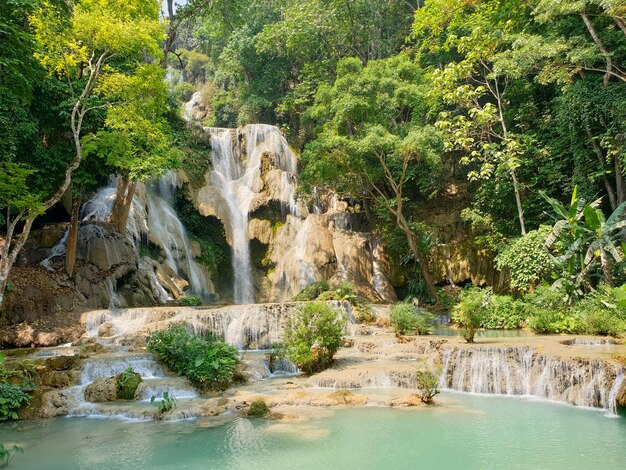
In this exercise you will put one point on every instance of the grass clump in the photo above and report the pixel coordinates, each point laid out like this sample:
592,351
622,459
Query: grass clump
407,319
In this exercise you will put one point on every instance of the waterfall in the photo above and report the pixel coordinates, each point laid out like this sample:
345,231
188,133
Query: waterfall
236,177
167,231
523,371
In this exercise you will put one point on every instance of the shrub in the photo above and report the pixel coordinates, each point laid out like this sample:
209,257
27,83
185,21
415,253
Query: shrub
428,385
190,301
363,314
183,92
313,335
602,312
258,409
548,312
165,404
408,319
208,363
127,383
471,312
12,397
526,259
312,292
345,292
504,312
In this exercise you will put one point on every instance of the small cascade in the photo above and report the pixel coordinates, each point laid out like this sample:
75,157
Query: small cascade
253,326
379,281
143,364
523,371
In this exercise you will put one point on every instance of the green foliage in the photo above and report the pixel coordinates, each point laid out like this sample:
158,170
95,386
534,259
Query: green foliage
504,312
470,313
313,335
7,454
363,314
165,404
258,409
312,292
602,312
526,260
190,301
207,362
428,385
182,92
548,312
127,383
345,292
12,397
407,319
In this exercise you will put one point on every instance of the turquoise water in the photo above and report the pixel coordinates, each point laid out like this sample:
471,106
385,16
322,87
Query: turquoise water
464,432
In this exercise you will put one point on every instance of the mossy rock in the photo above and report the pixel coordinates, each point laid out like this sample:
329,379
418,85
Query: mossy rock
127,383
258,409
62,362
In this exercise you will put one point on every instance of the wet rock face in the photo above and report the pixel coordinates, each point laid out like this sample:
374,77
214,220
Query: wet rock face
620,399
101,390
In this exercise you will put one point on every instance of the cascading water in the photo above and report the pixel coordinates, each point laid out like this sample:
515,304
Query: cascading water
236,177
167,231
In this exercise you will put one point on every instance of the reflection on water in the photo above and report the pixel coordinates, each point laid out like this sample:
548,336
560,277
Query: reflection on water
463,432
448,331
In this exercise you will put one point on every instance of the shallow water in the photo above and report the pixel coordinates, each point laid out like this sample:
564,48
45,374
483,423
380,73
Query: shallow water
464,432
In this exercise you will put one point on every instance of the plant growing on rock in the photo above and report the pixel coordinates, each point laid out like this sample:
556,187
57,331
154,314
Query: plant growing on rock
13,396
7,454
190,301
313,335
207,362
428,385
408,319
471,312
258,409
165,404
127,383
312,292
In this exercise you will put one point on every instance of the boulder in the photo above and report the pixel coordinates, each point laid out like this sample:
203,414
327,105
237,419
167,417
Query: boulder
102,389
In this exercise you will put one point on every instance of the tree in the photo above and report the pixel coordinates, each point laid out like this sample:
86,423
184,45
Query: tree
373,143
76,44
313,335
472,91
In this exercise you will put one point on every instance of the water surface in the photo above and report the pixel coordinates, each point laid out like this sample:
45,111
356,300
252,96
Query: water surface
465,432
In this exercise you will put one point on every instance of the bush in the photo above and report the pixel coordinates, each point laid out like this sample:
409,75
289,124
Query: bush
208,363
190,301
345,292
471,312
526,260
127,383
165,404
504,312
312,292
12,397
258,409
602,312
183,92
428,385
363,314
408,319
313,335
548,312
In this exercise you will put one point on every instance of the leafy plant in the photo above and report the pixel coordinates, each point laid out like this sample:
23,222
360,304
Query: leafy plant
258,409
12,397
313,335
408,319
548,312
313,291
7,454
127,383
207,362
190,301
526,260
504,312
165,404
471,312
428,385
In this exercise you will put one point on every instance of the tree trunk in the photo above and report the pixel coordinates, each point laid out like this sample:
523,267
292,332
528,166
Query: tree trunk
123,203
607,267
422,260
619,182
518,203
72,238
